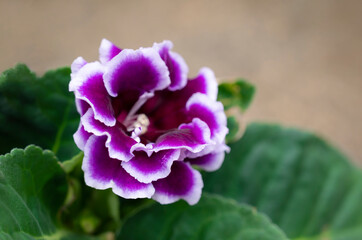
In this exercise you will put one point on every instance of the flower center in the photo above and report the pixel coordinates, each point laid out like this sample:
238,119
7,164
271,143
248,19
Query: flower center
141,121
137,121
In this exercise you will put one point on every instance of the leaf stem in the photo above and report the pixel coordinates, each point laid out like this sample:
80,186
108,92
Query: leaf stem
60,131
71,164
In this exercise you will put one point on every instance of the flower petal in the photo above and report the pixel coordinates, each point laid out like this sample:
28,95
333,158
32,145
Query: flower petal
102,172
77,64
205,82
201,106
210,148
88,85
82,106
147,169
165,101
107,51
192,136
184,182
209,162
175,63
81,137
118,143
142,70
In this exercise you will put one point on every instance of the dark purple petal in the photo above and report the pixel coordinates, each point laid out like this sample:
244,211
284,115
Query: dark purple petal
127,186
88,85
210,162
142,70
164,117
118,143
98,168
184,182
164,102
82,106
175,63
201,106
107,51
102,172
147,169
81,137
178,71
192,136
205,83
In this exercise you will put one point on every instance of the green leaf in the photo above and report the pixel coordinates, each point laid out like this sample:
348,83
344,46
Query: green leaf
93,211
59,235
88,210
237,94
302,183
15,236
38,111
73,163
32,189
212,218
234,129
236,98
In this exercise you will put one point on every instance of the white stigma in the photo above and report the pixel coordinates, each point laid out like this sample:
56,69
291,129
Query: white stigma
138,121
133,120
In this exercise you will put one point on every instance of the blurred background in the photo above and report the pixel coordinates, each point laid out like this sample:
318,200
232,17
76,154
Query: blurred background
305,57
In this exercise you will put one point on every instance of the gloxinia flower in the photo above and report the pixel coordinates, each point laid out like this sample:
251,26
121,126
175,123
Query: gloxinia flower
144,125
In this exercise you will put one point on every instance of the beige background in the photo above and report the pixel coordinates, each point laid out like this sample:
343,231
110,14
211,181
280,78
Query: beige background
304,56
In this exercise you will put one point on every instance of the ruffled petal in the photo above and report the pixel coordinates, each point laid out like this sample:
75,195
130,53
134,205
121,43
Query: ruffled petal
205,83
209,162
81,137
88,85
102,172
107,51
147,169
118,143
165,101
175,63
127,186
98,168
210,148
77,64
184,182
142,70
201,106
82,106
191,136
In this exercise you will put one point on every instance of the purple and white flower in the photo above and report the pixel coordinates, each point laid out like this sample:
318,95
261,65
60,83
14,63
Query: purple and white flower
144,125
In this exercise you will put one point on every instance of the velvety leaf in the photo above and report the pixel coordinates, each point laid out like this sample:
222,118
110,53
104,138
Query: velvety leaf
236,98
37,111
74,236
88,210
233,127
15,236
212,218
236,94
302,183
59,235
32,189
